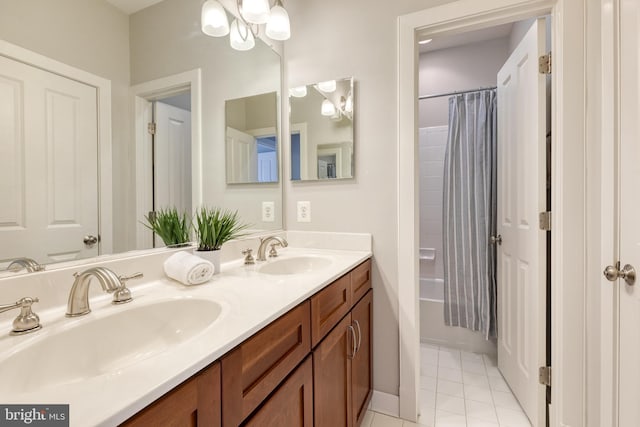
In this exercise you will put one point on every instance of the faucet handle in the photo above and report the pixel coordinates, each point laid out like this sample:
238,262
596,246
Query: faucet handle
123,294
27,321
272,252
248,256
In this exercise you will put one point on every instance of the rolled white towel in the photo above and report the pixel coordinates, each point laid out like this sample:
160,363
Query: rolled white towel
188,269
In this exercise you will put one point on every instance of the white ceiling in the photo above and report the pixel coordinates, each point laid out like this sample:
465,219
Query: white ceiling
132,6
467,38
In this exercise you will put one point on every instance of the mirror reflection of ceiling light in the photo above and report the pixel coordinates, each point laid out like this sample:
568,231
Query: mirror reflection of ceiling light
328,86
244,30
298,92
425,41
328,109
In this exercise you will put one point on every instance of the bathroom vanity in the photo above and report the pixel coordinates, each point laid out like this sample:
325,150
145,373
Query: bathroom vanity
311,366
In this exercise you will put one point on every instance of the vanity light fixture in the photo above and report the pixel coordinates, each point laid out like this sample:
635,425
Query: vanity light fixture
244,29
425,41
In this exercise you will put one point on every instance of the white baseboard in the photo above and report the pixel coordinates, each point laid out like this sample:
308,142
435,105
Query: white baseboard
385,403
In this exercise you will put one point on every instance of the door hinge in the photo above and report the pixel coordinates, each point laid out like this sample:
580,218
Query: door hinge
151,128
545,221
544,375
544,64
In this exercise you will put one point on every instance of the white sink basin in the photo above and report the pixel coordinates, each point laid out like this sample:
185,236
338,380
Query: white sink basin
296,265
105,345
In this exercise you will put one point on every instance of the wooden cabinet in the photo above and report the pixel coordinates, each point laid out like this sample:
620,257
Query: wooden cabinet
196,402
342,362
291,405
254,369
362,362
310,367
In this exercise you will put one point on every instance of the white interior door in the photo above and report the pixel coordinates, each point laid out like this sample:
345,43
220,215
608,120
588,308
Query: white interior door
242,157
521,196
48,165
629,214
172,163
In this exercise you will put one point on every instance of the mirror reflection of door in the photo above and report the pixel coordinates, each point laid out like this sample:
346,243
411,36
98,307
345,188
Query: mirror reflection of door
171,166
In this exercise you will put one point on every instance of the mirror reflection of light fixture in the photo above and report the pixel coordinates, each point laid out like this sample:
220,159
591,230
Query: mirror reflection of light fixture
244,30
298,92
327,109
425,41
328,86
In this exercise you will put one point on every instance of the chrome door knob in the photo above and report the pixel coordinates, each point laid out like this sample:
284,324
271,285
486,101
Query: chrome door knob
496,239
628,274
90,240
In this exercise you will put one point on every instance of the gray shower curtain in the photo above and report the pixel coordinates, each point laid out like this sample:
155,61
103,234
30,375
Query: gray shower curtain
469,213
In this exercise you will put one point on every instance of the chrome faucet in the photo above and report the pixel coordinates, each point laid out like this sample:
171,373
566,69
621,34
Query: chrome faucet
27,321
78,304
27,263
262,249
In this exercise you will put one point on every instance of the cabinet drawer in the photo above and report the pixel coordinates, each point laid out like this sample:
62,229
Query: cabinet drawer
255,368
360,281
329,306
291,405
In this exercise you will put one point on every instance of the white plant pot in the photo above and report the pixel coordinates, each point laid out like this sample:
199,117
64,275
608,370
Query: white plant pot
212,256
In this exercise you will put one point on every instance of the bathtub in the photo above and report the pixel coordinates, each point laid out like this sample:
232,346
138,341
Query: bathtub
432,327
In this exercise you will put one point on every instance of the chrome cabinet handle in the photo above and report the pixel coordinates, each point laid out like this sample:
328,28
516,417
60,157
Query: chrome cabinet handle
353,340
613,273
359,335
496,239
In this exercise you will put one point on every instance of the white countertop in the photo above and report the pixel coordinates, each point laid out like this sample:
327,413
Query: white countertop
250,300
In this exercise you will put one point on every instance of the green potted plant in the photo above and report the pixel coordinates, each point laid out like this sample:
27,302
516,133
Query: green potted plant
213,228
170,225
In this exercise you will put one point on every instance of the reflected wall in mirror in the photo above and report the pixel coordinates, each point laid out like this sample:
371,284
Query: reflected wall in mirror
322,132
122,49
252,139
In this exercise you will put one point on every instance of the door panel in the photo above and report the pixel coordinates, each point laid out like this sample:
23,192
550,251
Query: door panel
629,351
362,364
521,196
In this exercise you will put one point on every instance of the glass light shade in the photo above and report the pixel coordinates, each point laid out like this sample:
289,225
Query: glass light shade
348,104
328,86
241,38
255,11
298,92
328,109
214,20
278,26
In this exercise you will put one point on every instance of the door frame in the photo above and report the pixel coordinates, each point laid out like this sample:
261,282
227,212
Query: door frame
103,94
569,193
140,95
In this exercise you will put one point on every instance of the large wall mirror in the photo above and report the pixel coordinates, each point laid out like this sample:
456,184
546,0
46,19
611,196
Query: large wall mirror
138,53
322,136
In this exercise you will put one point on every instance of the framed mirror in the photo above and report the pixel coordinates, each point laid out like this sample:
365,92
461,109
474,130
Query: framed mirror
252,139
116,52
322,132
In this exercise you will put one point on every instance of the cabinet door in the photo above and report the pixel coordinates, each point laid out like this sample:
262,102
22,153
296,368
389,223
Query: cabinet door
332,377
361,370
196,402
291,405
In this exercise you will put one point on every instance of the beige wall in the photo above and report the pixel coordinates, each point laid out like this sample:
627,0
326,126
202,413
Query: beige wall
333,39
93,36
165,40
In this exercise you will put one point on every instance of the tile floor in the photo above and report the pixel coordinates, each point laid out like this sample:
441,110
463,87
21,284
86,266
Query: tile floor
459,389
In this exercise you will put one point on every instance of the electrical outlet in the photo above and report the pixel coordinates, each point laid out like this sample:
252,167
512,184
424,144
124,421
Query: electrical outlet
304,211
268,214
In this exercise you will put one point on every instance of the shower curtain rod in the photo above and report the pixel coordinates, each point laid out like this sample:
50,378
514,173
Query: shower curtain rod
455,93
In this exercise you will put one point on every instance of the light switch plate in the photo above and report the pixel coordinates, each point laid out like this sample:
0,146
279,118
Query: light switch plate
304,211
268,214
